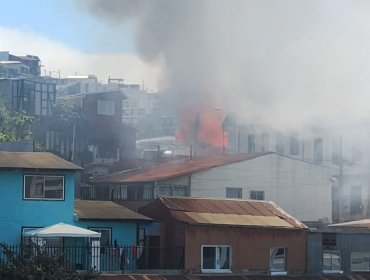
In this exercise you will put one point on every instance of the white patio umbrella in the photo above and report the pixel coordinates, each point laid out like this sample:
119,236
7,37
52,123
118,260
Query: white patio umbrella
62,230
66,230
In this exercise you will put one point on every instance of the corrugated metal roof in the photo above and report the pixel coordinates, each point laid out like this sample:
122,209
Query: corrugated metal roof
362,224
254,213
177,168
32,160
230,219
105,210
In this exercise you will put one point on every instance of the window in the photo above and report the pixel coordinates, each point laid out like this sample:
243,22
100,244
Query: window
294,146
105,239
52,243
106,235
278,261
106,107
356,153
140,192
331,262
329,240
172,190
356,200
265,142
216,258
251,143
317,150
336,152
280,144
257,195
360,261
43,187
234,193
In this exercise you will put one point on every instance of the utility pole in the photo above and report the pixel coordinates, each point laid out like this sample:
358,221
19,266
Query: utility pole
73,142
341,191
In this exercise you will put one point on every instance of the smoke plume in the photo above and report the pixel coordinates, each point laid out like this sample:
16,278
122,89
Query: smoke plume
285,63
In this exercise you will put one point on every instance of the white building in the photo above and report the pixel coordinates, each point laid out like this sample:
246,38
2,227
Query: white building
301,188
83,84
139,104
344,148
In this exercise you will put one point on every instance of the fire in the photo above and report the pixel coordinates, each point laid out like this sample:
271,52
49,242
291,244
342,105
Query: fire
202,128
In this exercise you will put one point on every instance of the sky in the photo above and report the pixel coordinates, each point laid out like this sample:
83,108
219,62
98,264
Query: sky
68,38
265,60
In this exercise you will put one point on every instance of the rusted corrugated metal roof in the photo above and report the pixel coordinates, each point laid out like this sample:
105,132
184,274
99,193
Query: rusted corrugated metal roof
254,213
230,219
105,210
32,160
178,168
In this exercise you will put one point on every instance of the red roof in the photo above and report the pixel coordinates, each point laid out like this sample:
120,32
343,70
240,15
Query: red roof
178,168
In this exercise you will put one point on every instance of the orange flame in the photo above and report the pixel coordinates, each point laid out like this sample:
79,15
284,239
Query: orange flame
202,127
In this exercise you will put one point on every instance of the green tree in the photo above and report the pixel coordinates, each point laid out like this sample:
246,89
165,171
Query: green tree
15,125
66,115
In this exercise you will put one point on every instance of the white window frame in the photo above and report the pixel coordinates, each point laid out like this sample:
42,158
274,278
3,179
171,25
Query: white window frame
100,229
340,261
217,259
106,107
278,271
364,255
103,247
43,190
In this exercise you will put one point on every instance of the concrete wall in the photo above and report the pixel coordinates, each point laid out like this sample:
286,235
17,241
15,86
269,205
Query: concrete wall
300,188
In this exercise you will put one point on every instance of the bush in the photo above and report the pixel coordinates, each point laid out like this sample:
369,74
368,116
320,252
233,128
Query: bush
41,266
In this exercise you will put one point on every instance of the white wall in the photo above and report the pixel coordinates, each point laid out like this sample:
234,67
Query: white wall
300,188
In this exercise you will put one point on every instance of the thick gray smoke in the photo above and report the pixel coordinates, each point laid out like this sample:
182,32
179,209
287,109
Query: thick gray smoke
283,62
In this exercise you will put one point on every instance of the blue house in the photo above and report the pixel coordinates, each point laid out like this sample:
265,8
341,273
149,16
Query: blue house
123,234
117,224
36,190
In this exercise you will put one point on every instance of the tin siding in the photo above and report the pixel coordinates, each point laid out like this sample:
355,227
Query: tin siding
346,243
250,247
